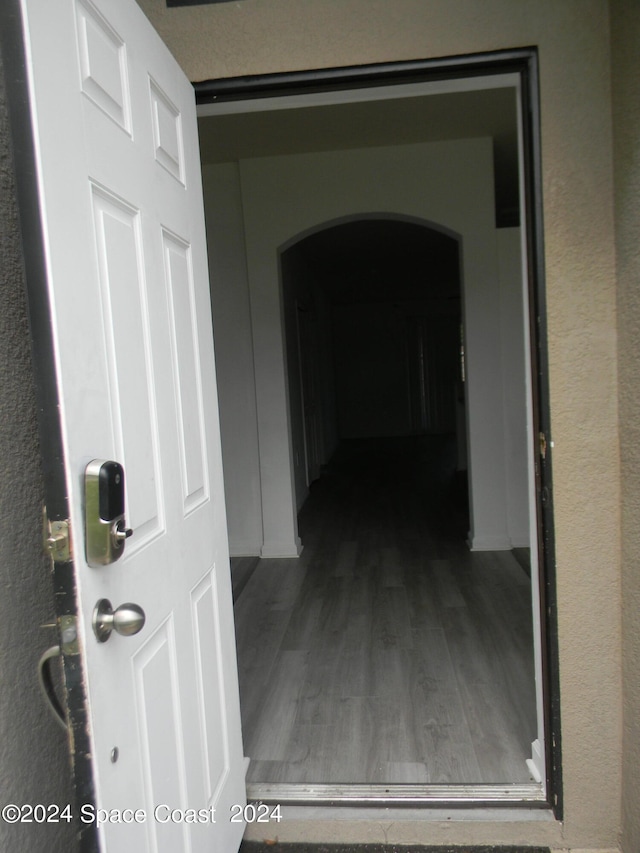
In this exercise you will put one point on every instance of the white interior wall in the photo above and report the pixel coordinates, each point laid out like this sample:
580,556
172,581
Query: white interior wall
234,357
295,295
515,383
483,389
287,196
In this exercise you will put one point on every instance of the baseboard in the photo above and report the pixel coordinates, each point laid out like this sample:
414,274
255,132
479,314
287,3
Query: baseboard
535,764
275,550
244,549
489,543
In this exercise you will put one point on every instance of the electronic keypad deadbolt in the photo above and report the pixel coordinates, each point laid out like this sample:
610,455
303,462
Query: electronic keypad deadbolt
105,527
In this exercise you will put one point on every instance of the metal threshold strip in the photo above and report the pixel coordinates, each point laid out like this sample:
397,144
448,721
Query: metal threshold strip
398,795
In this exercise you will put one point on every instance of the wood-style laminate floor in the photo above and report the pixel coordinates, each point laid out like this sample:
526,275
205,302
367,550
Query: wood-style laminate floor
387,653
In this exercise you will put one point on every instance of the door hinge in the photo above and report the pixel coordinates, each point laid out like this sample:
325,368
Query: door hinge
56,538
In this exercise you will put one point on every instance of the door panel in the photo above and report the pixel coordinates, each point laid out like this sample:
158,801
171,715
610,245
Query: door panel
127,341
121,205
186,371
157,698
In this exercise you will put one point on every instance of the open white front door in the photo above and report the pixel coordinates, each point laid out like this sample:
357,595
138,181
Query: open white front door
121,207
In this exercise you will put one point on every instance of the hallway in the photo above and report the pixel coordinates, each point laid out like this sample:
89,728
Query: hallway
388,652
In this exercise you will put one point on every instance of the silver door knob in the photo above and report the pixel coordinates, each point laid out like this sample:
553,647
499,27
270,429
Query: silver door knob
126,620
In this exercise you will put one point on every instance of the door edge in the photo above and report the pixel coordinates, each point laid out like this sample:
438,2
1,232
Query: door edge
15,60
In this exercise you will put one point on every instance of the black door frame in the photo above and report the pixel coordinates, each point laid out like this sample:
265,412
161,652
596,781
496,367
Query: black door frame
524,63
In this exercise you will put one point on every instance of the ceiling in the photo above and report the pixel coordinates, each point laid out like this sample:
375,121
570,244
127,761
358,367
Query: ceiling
395,121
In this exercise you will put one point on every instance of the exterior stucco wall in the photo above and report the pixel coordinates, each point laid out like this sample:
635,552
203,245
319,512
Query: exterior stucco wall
261,36
625,20
34,759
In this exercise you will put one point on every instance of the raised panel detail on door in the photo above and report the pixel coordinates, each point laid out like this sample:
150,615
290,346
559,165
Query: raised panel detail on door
127,340
213,722
167,132
158,710
103,65
184,334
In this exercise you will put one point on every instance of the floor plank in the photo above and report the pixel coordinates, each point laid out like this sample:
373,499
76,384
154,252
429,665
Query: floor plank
387,652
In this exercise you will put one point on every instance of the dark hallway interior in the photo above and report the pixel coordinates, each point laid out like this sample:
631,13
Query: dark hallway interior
373,326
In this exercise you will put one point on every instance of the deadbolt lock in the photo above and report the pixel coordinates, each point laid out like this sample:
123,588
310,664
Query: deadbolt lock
105,527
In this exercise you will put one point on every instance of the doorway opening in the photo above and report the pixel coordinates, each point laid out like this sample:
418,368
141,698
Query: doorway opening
258,158
373,331
388,654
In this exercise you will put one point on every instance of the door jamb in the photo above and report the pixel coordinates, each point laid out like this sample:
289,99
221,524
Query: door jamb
524,62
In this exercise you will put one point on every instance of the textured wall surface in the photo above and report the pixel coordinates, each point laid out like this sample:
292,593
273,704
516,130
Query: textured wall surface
625,22
260,36
34,763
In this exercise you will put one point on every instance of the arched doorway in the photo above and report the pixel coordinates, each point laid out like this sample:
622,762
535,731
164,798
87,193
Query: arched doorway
373,322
